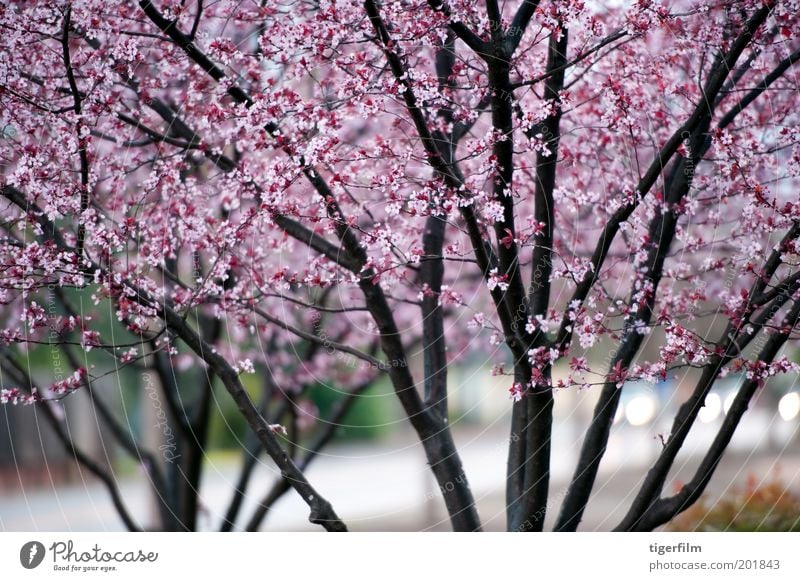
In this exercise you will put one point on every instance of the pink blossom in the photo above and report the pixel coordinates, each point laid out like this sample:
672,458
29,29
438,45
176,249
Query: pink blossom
516,391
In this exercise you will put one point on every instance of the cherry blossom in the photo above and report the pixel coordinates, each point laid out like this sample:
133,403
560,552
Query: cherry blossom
334,192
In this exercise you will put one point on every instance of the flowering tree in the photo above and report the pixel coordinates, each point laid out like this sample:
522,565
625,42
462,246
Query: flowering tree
312,189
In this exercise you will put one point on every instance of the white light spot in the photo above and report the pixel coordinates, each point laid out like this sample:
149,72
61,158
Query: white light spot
789,406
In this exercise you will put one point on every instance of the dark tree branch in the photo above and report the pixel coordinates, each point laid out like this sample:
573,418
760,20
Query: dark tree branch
155,136
198,419
250,454
321,511
537,416
170,519
663,510
661,232
434,435
734,340
197,17
484,252
495,21
169,387
544,211
753,94
293,228
432,429
519,24
461,30
124,437
431,273
568,65
324,435
702,111
742,69
83,154
169,27
780,288
503,151
321,341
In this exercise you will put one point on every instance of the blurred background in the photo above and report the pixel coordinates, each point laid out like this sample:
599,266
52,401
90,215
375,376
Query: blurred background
374,471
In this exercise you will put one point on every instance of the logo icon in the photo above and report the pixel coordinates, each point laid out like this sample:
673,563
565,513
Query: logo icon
31,554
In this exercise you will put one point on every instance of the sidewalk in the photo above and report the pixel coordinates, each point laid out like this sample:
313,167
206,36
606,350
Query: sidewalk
386,485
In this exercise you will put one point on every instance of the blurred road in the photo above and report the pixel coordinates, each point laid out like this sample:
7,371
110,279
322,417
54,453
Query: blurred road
386,485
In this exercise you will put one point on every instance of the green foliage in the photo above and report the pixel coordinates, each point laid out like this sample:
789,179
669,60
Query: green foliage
228,428
369,418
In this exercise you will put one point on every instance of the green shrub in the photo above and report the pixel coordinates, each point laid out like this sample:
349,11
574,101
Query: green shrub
369,418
